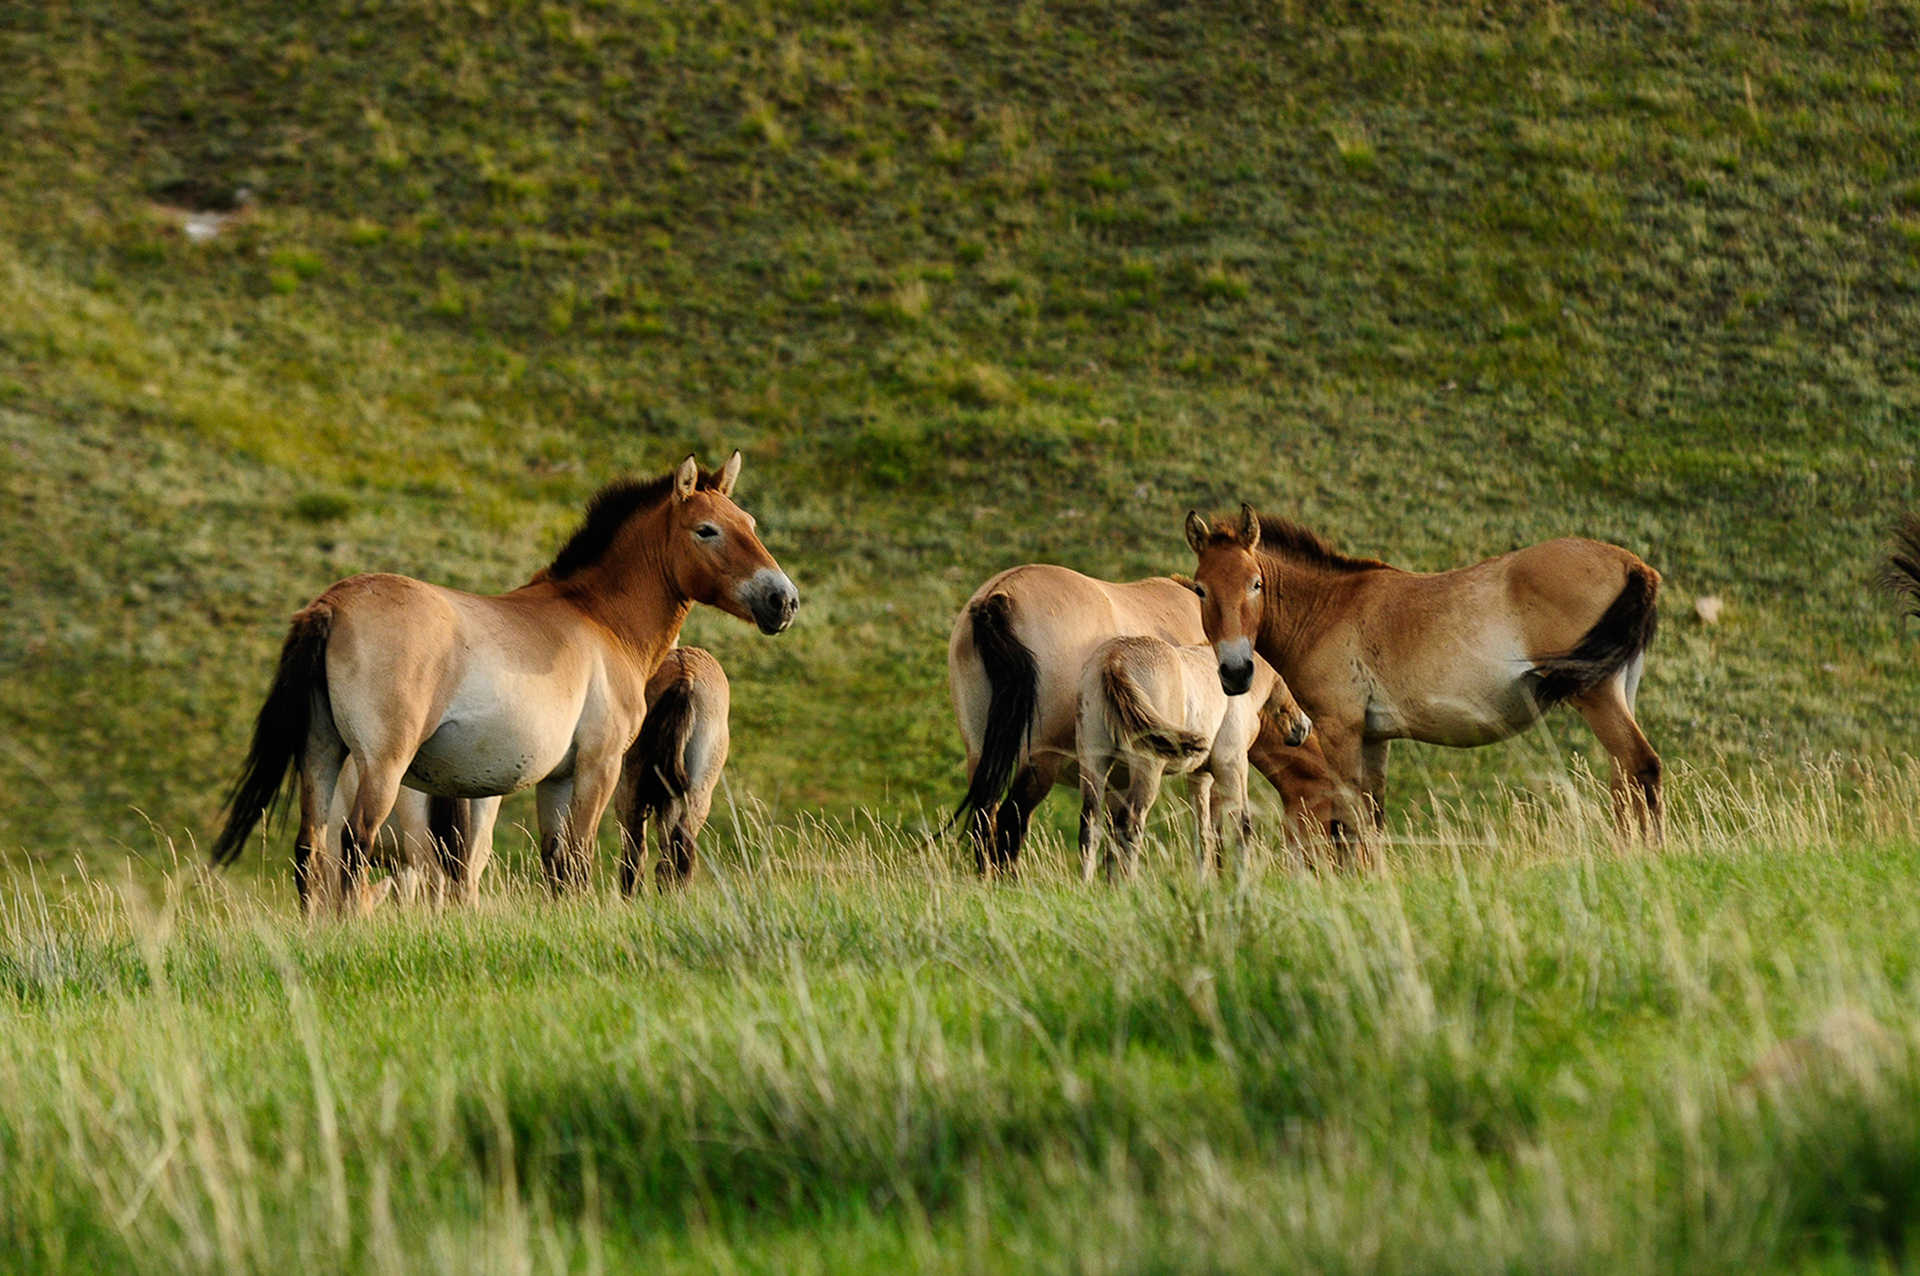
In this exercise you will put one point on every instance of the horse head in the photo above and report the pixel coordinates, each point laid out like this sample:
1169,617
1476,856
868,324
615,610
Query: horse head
1232,591
713,555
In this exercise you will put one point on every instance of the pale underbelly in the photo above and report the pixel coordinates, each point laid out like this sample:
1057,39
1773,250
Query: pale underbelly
488,758
1483,715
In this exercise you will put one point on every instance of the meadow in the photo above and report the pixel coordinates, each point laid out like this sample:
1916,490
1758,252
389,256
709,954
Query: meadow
970,285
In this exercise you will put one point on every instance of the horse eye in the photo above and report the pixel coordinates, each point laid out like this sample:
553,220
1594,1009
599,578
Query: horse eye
707,532
1254,586
1200,592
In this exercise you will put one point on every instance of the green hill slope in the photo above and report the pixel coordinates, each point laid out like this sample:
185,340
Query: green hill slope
970,284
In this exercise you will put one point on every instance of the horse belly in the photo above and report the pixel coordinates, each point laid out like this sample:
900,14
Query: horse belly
484,756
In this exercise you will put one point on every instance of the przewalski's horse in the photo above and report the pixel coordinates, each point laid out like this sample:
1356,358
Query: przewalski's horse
1149,709
674,764
1013,666
1461,658
470,696
436,846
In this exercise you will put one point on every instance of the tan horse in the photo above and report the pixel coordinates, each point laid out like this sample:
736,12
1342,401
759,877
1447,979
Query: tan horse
1461,658
1149,709
674,764
1013,667
470,696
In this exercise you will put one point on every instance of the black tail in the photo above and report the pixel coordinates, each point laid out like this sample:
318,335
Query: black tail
1902,571
449,828
1013,695
1622,633
660,750
280,732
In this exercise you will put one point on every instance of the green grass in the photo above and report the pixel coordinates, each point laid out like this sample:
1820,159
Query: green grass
971,285
839,1054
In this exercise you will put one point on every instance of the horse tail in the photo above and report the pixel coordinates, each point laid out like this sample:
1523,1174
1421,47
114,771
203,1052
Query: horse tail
661,747
450,830
280,731
1135,721
1901,574
1619,637
1013,697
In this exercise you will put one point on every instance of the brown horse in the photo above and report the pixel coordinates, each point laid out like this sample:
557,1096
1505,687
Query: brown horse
1013,666
469,696
674,764
1461,658
1149,709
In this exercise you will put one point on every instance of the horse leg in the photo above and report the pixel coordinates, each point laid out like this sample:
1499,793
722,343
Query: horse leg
319,776
1202,794
1030,785
1636,767
479,850
1093,797
1143,789
1373,779
676,847
379,786
570,812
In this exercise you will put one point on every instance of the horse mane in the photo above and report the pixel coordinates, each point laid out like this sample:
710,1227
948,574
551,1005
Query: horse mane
1284,538
607,513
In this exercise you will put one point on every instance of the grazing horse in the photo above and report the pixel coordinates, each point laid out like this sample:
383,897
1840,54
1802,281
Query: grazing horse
1461,658
1149,709
469,696
674,764
1013,667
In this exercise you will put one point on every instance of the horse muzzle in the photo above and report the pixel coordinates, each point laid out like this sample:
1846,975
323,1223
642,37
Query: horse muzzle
772,599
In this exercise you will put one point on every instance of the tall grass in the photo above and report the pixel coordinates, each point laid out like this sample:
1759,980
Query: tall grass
1518,1045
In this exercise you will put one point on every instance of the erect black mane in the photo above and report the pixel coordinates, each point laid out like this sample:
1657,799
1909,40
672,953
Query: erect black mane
1284,538
608,512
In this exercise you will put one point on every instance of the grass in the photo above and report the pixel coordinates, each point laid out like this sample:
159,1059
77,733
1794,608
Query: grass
971,285
841,1054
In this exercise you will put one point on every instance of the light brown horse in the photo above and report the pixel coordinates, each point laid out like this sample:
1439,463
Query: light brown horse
1013,667
1461,658
470,696
1149,709
674,764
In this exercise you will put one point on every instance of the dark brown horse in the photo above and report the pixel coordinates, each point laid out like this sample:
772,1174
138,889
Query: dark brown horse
1461,658
471,696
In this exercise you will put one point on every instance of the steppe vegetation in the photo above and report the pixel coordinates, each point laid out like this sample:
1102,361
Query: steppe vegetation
971,284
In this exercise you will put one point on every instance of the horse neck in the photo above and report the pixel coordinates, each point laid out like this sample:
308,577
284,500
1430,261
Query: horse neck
633,594
1311,596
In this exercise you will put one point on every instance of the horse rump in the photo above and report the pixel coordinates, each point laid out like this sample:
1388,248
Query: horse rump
1134,720
280,731
1901,573
659,752
1622,633
1013,697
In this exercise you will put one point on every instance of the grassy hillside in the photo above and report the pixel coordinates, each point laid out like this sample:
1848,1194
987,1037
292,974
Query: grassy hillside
970,284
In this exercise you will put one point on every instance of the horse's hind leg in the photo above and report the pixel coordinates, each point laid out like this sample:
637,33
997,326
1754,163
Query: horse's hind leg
1636,767
1030,785
320,767
379,786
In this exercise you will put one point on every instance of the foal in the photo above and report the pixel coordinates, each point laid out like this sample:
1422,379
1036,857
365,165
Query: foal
469,696
674,764
1149,709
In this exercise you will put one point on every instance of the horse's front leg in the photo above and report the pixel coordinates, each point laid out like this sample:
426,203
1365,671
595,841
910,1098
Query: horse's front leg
1201,793
1373,779
569,815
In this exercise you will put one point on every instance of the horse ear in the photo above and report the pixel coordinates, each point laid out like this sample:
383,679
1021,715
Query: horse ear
1197,531
1249,527
685,477
729,473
